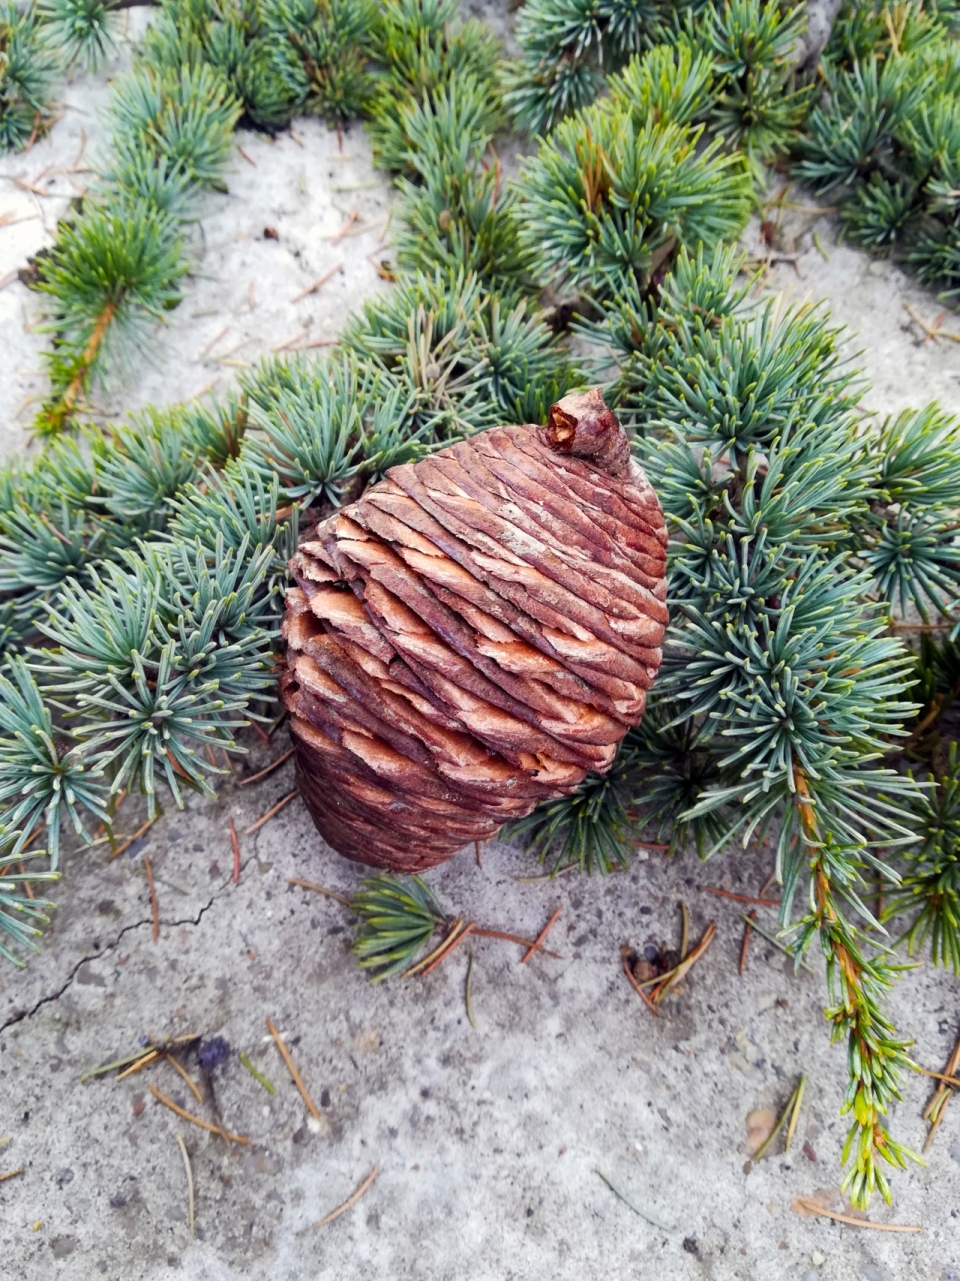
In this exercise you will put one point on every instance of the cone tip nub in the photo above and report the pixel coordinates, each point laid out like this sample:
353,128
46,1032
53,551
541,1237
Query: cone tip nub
581,424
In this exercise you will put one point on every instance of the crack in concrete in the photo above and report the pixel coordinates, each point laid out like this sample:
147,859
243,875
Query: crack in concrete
20,1016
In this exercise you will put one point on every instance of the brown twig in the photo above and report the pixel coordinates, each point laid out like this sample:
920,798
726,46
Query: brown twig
351,1200
624,955
121,849
479,848
262,732
154,905
811,1207
267,769
13,1174
318,283
249,159
292,1068
309,885
195,1120
538,942
747,931
271,812
740,898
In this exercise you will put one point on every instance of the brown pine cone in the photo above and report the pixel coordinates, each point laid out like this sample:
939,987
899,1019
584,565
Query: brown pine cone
474,635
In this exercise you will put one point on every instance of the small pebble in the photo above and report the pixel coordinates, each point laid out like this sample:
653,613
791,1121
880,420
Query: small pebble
818,1259
266,1109
313,1125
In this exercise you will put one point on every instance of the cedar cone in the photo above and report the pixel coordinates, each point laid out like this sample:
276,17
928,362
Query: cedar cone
474,635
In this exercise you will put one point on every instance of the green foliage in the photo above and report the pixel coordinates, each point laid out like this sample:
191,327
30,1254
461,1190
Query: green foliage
755,106
326,429
565,47
82,31
465,360
782,698
886,135
42,778
27,69
397,917
929,894
318,51
589,829
423,48
17,909
606,201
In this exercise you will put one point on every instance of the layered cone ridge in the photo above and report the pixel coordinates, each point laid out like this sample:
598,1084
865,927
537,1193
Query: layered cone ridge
473,635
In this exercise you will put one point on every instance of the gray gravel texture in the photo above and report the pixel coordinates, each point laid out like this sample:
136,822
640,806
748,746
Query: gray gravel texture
490,1142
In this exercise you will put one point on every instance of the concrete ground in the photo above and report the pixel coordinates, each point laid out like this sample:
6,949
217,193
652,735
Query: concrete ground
490,1141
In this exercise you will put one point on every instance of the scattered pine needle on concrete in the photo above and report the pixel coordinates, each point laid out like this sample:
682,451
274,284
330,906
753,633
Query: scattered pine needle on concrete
121,849
668,980
625,958
642,1214
292,1068
309,885
740,898
13,1174
772,938
447,939
195,1120
317,284
539,941
937,1106
791,1112
154,905
267,769
795,1117
271,812
747,931
351,219
479,848
468,993
811,1207
351,1200
514,938
257,1076
189,1172
175,1063
235,844
446,952
148,1057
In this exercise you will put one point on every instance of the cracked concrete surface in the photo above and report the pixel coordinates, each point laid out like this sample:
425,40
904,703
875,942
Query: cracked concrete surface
489,1140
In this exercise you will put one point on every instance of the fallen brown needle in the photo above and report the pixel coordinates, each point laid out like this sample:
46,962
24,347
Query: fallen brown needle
811,1207
186,1166
292,1068
351,1200
195,1120
270,813
267,769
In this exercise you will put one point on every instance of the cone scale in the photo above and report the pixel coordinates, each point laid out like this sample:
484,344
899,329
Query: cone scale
473,636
